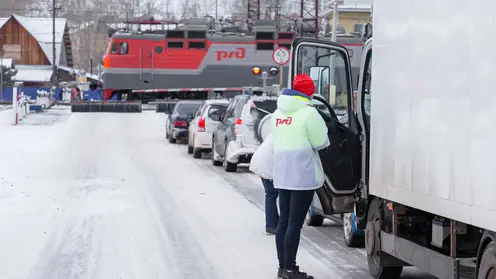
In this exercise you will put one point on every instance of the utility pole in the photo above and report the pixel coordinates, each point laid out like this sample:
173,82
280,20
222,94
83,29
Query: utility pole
335,22
216,12
278,16
335,18
54,47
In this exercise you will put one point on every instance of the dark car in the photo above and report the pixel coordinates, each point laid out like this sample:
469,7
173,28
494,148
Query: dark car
178,122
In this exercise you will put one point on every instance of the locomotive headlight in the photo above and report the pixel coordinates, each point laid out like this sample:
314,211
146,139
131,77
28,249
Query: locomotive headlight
274,71
256,71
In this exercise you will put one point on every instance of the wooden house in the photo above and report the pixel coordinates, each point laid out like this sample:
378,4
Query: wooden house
29,43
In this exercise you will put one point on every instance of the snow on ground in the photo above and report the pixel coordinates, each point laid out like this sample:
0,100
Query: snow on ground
55,114
103,196
5,118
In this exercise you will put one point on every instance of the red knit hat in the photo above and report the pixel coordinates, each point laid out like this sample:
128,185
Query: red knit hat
304,84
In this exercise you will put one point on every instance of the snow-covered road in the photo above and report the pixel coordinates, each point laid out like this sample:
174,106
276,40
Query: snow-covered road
104,196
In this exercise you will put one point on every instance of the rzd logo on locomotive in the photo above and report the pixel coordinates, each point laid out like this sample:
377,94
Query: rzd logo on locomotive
239,53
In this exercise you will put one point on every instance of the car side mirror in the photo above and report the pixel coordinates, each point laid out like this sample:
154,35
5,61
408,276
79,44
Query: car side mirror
215,117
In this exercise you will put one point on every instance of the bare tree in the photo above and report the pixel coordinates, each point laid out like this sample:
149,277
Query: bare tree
191,9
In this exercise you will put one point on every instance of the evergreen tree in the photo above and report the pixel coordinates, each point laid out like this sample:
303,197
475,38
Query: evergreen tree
8,76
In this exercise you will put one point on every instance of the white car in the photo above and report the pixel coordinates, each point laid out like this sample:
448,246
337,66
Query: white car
202,126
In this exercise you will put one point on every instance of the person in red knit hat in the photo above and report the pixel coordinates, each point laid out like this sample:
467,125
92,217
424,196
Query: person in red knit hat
298,132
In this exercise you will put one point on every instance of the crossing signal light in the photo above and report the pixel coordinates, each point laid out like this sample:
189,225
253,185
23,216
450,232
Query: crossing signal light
256,71
274,71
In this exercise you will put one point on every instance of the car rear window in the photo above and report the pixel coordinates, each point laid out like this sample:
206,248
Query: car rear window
261,108
220,108
266,105
183,109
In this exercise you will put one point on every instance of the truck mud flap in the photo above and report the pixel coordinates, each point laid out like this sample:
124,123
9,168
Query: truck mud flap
112,107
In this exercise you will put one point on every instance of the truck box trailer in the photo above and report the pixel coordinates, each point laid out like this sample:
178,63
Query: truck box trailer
416,158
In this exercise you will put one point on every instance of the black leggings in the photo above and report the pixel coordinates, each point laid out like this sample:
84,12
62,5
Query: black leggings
293,206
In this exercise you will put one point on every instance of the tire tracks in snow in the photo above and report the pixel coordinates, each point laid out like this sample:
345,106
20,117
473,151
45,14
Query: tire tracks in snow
186,258
69,252
73,249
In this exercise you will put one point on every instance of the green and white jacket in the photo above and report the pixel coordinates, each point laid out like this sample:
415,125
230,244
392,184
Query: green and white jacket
299,132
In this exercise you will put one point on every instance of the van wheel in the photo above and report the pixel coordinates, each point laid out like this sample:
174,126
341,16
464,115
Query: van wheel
351,236
313,219
373,244
487,268
228,166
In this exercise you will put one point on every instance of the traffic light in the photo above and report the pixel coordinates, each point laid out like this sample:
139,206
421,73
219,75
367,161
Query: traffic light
256,71
274,71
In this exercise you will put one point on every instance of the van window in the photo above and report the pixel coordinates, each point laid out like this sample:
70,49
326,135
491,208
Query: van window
114,48
124,48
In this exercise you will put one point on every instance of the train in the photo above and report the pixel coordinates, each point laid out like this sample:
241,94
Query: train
192,61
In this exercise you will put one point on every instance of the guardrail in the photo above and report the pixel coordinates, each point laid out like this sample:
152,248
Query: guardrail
20,105
106,106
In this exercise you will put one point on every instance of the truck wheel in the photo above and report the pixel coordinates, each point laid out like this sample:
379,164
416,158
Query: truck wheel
487,268
214,155
373,244
351,236
313,219
228,166
197,153
190,149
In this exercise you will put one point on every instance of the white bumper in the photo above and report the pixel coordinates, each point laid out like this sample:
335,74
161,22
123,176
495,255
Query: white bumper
235,150
203,140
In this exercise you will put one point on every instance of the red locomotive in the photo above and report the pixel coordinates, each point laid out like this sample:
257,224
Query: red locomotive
191,61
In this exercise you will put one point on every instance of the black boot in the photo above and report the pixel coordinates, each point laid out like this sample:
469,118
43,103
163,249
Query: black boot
270,231
294,274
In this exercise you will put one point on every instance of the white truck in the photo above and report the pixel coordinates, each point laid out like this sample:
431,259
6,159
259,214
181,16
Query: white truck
420,170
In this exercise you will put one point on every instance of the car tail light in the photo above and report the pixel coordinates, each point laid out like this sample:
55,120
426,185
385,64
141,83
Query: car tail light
237,123
201,125
180,123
